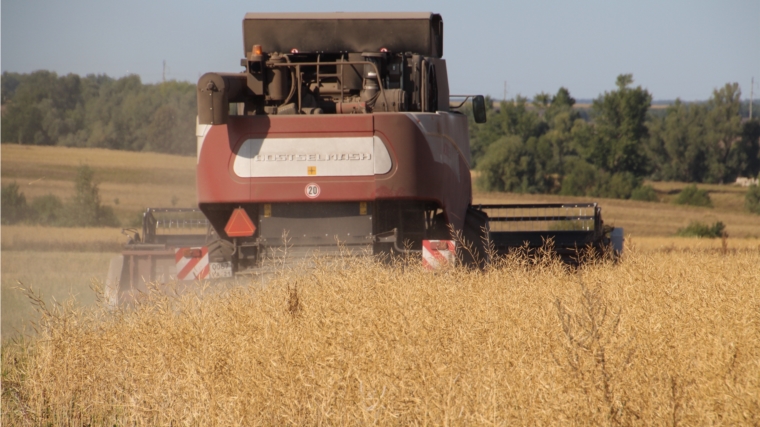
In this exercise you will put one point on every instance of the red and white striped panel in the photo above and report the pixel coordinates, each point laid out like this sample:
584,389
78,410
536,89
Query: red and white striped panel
438,253
192,263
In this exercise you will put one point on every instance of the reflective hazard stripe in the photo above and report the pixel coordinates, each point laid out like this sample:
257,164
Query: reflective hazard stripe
191,268
438,253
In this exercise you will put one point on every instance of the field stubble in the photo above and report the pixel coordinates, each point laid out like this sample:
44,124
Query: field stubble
57,275
128,181
662,338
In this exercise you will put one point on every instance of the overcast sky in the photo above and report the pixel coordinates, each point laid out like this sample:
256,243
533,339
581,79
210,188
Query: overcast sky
677,48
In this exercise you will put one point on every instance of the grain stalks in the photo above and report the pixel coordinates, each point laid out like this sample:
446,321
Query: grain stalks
662,338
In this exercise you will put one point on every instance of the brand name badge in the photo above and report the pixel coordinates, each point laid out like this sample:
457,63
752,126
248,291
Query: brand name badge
311,157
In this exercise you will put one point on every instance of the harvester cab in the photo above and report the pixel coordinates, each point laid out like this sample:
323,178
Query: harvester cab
340,136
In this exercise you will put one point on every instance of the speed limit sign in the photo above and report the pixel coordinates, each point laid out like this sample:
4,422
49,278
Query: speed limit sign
312,190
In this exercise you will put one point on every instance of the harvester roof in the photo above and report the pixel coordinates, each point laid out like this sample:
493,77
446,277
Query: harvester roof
416,32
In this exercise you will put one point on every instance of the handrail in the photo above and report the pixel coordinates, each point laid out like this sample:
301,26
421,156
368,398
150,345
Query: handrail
466,97
542,218
537,216
537,205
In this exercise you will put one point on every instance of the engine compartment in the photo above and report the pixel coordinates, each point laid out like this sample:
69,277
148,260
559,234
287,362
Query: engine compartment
331,64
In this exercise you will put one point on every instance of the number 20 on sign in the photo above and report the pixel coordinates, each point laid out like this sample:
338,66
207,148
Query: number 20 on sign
312,190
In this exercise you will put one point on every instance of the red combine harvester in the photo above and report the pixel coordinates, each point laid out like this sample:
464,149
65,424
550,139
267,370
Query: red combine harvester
339,135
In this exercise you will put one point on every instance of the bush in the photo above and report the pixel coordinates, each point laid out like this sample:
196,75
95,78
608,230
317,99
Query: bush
580,179
47,210
644,193
13,204
693,196
509,164
617,186
583,179
752,199
698,229
85,209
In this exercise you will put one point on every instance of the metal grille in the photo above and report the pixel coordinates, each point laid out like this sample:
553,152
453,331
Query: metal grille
542,217
173,221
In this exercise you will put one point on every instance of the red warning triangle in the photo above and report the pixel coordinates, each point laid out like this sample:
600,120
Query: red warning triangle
240,224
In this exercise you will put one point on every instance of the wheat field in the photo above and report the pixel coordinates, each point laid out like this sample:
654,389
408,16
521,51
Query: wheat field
56,275
668,336
71,239
128,181
661,338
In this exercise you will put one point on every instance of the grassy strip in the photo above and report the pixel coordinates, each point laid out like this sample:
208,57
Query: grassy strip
63,246
52,239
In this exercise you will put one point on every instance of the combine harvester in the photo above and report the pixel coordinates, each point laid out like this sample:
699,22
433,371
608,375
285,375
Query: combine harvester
339,135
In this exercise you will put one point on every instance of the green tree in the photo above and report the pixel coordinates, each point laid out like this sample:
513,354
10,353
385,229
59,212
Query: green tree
619,129
616,186
85,208
562,98
46,210
501,168
581,178
748,162
698,229
541,102
645,193
691,195
514,117
564,126
13,204
10,82
41,107
523,147
677,147
752,199
98,111
723,130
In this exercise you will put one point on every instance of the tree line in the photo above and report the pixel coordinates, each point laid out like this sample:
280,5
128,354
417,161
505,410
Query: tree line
42,108
83,209
547,146
540,146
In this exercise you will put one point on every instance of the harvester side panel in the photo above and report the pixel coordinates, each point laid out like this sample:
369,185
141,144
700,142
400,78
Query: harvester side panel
431,163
